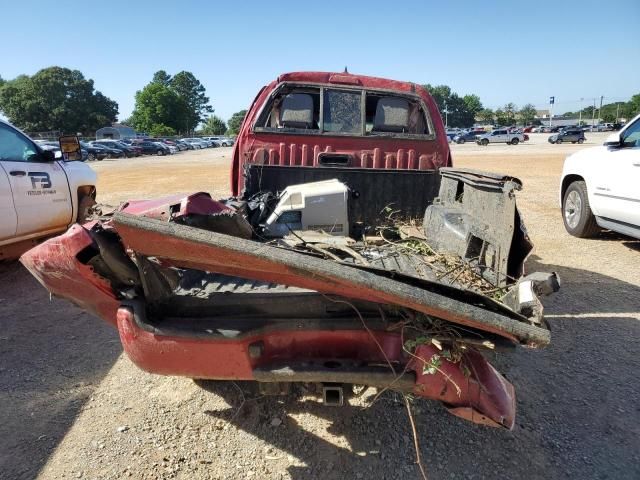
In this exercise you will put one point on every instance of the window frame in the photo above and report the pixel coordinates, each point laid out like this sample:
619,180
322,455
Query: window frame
265,111
631,128
37,157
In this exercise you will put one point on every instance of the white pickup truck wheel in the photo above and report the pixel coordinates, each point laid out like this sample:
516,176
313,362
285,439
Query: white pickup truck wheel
578,219
515,141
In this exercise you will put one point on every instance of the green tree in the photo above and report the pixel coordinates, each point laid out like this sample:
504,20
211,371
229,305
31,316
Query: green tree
162,77
214,125
158,105
473,103
486,115
527,113
235,122
501,117
160,130
460,111
634,106
510,110
440,94
56,98
192,93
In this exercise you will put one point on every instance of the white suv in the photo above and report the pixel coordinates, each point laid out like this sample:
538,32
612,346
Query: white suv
600,186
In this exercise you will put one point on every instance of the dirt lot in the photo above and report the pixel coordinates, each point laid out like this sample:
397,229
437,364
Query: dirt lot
71,406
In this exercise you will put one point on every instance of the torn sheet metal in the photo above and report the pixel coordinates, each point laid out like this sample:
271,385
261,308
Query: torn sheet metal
197,210
195,248
475,217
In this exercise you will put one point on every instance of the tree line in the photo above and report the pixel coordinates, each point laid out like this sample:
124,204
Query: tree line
57,98
610,112
61,99
464,111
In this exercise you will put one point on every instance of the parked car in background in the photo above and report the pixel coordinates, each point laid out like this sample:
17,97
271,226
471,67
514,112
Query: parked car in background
40,194
599,186
452,132
463,137
223,141
183,145
197,143
572,135
129,151
501,135
154,148
94,152
605,127
170,144
111,150
215,142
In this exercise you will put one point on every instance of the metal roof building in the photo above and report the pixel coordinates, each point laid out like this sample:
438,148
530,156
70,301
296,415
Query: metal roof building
115,132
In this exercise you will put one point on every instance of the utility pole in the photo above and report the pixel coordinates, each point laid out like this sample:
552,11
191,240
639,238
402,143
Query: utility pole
446,115
600,109
593,115
580,121
552,100
617,112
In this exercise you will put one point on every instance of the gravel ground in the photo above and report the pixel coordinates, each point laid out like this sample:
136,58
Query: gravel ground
71,406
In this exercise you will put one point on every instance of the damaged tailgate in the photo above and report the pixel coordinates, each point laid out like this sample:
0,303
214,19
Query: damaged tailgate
189,247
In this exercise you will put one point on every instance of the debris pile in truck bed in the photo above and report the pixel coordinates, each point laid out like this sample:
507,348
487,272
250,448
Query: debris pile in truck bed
400,247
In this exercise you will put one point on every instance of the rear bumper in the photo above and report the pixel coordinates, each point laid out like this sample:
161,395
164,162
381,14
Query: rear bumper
469,388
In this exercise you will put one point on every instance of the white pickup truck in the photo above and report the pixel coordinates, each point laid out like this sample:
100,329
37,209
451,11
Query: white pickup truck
600,186
500,135
40,195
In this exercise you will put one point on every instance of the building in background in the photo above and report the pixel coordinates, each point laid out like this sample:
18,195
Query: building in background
116,132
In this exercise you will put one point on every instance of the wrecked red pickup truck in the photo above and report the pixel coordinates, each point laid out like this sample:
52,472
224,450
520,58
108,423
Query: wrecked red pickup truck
349,254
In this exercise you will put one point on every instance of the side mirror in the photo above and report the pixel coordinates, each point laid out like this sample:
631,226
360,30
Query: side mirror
48,155
613,140
70,148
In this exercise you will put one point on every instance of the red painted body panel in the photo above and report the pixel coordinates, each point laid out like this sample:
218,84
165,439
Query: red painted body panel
477,395
54,263
162,208
482,395
275,148
250,264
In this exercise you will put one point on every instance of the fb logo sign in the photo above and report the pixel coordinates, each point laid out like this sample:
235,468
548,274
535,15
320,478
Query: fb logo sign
40,179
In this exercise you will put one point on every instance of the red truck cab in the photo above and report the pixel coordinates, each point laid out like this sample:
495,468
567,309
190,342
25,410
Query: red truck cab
330,119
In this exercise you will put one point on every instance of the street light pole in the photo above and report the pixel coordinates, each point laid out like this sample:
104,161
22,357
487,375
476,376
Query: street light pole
446,115
580,121
593,115
600,109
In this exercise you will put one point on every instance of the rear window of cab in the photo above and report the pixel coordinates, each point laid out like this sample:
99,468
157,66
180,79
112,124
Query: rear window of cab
330,110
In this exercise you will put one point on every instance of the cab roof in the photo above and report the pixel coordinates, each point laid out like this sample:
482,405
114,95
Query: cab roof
345,78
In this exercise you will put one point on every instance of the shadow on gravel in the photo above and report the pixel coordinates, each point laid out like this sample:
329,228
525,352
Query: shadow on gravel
52,357
578,414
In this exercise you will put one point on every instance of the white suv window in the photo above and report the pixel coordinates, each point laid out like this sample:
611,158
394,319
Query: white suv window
631,136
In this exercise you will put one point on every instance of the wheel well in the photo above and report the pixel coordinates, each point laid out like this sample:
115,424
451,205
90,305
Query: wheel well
85,190
568,180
